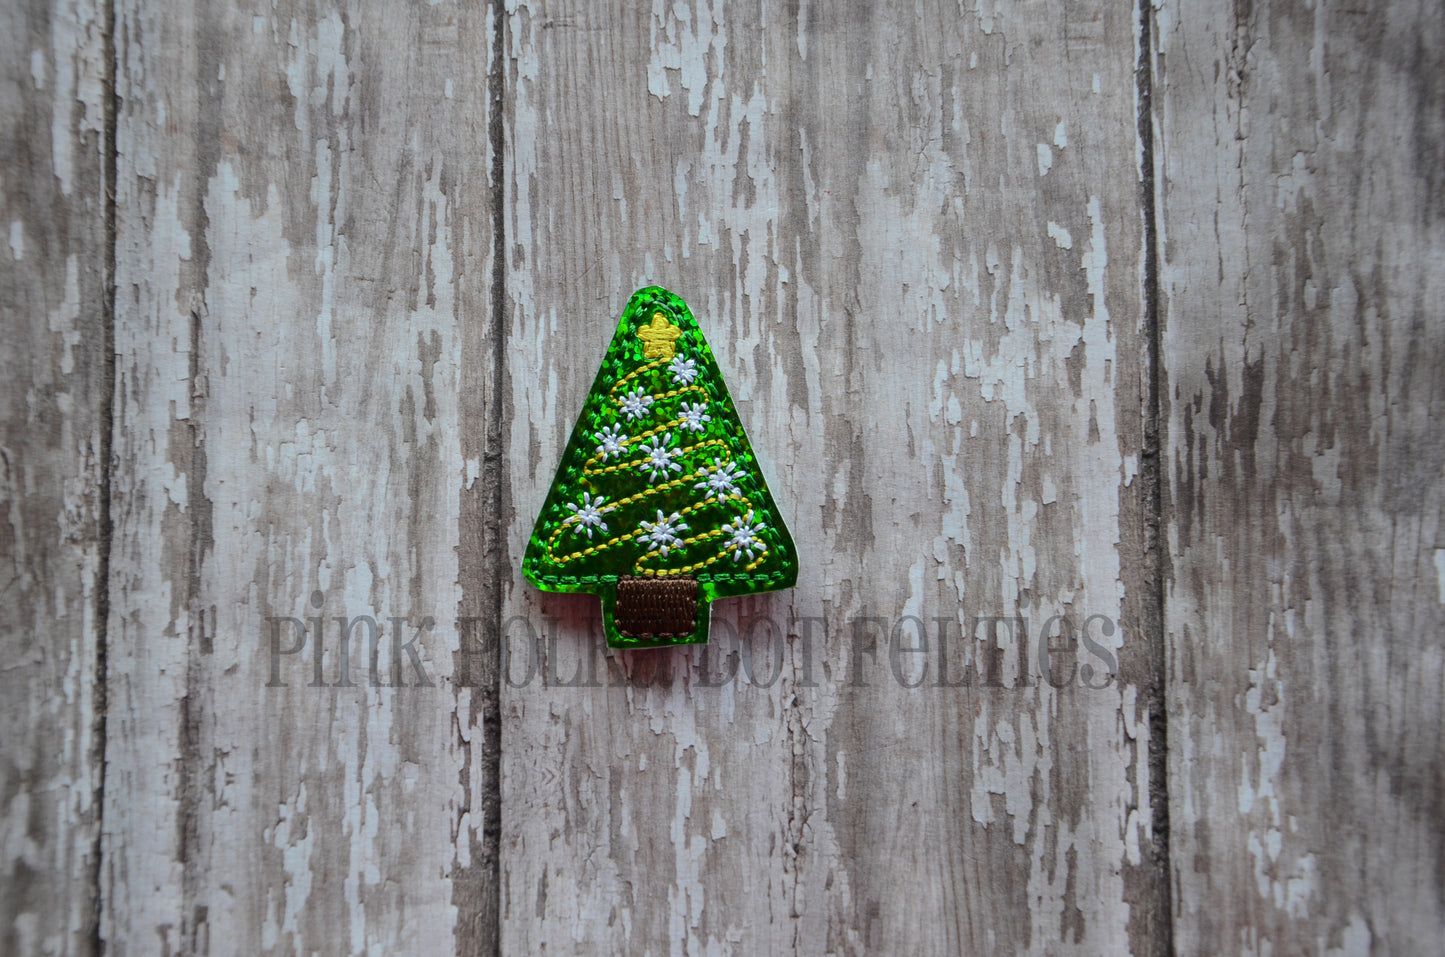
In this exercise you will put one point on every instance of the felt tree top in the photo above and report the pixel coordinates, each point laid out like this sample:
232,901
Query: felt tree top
659,506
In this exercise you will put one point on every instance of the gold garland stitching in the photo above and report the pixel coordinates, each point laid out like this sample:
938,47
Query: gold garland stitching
589,469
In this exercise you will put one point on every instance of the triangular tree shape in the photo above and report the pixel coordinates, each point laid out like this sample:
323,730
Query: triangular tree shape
659,506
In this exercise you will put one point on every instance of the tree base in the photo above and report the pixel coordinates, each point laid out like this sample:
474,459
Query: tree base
656,608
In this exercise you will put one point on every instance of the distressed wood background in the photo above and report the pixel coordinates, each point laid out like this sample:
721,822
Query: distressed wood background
1093,351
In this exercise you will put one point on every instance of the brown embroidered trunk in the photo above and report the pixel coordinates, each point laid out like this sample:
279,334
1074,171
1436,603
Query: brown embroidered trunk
656,606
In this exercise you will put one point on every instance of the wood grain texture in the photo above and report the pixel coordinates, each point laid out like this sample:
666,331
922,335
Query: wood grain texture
1303,231
304,266
52,445
915,240
918,240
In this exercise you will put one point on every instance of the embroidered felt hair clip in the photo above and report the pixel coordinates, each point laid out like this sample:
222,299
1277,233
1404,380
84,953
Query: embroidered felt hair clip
659,506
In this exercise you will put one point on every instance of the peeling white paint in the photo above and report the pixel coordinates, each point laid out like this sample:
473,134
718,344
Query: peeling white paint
64,318
308,400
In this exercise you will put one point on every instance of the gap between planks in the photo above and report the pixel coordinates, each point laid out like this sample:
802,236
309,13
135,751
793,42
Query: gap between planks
1151,469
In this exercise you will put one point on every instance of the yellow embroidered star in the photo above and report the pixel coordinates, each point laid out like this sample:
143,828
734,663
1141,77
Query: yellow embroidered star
659,338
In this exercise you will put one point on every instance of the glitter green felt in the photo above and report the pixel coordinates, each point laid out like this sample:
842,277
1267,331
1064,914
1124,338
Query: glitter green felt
659,479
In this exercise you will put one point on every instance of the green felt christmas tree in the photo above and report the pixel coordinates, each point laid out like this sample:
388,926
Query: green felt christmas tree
659,506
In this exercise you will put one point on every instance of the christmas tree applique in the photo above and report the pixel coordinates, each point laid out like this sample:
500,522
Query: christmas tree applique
659,506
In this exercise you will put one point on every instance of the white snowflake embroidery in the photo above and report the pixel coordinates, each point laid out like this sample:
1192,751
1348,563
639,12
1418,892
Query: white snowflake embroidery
659,459
683,370
744,537
636,403
693,416
722,481
661,535
613,442
588,515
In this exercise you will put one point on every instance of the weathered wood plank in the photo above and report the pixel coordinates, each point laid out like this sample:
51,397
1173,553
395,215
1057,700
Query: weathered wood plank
1301,219
915,239
651,814
53,437
304,271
